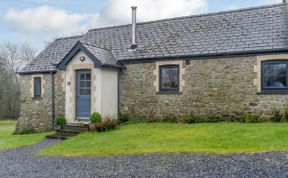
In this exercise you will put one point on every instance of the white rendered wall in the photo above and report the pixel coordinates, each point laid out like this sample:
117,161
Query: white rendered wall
104,88
109,93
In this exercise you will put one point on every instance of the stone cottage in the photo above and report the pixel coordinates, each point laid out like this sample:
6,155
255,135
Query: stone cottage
229,62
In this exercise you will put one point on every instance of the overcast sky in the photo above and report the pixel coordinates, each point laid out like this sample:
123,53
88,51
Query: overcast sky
37,21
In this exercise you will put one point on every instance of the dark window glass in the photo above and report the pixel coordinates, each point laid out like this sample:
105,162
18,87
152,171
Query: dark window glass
82,84
88,83
82,92
169,78
82,76
85,84
37,87
88,76
274,75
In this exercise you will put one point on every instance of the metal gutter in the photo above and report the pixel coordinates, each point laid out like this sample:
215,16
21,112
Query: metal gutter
112,66
206,56
36,72
118,92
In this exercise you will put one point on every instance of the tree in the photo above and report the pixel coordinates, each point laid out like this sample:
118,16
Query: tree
12,58
15,56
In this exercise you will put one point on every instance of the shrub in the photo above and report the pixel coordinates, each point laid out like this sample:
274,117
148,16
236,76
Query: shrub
232,119
95,117
286,114
110,123
252,118
169,118
242,118
214,118
105,125
191,118
277,116
152,118
26,131
131,118
99,127
123,117
249,118
60,121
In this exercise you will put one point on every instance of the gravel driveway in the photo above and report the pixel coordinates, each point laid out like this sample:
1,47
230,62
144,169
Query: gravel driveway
23,162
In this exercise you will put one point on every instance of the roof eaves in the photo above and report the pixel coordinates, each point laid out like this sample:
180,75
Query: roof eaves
211,55
35,72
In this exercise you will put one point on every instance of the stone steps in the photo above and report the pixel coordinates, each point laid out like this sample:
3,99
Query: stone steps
68,131
79,128
54,136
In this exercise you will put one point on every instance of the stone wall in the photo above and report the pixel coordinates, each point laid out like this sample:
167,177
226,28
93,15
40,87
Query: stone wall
36,113
228,86
225,86
60,93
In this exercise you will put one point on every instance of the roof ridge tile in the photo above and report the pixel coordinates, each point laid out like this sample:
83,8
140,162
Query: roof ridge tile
194,16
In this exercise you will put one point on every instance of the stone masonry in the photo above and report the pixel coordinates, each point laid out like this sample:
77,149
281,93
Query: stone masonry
226,86
36,113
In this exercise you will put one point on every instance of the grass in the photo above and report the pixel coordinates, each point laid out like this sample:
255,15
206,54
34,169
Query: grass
9,141
145,138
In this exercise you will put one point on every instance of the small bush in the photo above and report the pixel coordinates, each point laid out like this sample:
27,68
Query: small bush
152,118
169,118
26,131
99,127
95,117
189,119
277,116
214,118
105,125
60,121
110,123
286,114
123,117
241,118
131,118
232,119
192,118
249,118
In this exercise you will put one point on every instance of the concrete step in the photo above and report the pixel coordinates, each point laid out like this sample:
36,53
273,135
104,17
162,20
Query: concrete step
68,133
55,136
79,128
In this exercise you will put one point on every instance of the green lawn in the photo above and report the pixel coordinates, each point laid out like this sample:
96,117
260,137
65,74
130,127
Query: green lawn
8,141
176,138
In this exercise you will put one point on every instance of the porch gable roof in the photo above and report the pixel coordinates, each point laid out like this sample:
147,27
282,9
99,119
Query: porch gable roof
100,56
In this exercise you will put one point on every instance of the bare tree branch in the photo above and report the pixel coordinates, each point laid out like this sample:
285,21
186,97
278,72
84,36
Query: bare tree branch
15,56
12,58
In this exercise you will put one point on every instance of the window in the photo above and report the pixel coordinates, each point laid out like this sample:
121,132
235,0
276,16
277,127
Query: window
169,78
85,84
274,75
37,86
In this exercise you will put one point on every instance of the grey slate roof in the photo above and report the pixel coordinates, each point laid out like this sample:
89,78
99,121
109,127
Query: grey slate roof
104,55
52,55
239,31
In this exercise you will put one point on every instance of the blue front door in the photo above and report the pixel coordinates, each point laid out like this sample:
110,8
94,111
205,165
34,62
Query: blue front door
83,88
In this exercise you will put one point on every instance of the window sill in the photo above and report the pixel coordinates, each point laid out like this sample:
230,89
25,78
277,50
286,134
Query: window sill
169,93
37,98
273,92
